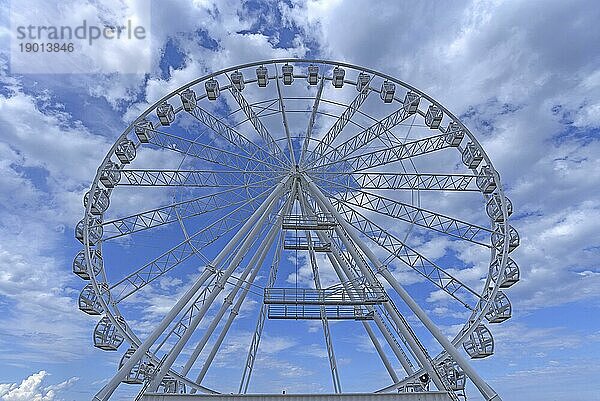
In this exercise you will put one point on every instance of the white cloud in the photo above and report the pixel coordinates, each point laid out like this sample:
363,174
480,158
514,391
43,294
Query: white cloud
32,389
46,159
511,69
528,90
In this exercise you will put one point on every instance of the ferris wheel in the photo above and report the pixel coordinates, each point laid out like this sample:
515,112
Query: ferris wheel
229,189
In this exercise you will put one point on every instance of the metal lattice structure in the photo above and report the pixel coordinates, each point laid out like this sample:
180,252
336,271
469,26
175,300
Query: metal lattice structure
351,169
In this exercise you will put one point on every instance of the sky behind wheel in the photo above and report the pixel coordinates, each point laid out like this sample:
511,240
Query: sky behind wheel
528,95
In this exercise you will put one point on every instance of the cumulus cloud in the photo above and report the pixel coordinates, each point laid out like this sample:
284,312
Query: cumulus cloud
49,157
32,389
46,156
523,89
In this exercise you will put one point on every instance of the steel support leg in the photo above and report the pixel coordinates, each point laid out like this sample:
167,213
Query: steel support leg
377,346
337,388
235,310
345,276
481,385
228,301
220,285
252,269
423,358
342,271
105,393
260,323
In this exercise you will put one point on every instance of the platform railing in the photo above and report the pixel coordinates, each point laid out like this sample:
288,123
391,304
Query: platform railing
325,296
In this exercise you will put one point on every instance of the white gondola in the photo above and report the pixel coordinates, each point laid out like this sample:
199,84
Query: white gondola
80,266
95,230
387,91
494,208
110,175
100,201
480,343
212,89
338,77
165,113
485,180
143,130
500,309
89,302
262,76
107,336
498,238
509,276
140,371
313,74
471,155
288,74
125,151
237,79
188,99
454,134
452,374
411,102
433,117
362,82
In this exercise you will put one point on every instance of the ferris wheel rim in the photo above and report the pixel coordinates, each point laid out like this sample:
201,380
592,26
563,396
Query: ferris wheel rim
95,184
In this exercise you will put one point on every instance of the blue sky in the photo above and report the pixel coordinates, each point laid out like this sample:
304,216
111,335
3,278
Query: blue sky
523,75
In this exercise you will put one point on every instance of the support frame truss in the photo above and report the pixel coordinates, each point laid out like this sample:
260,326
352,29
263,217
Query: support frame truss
244,188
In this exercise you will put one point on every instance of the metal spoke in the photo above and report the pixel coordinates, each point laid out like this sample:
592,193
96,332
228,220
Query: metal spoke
210,153
181,252
284,118
413,259
389,155
311,120
414,215
234,137
168,214
363,138
183,178
325,145
256,123
395,181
